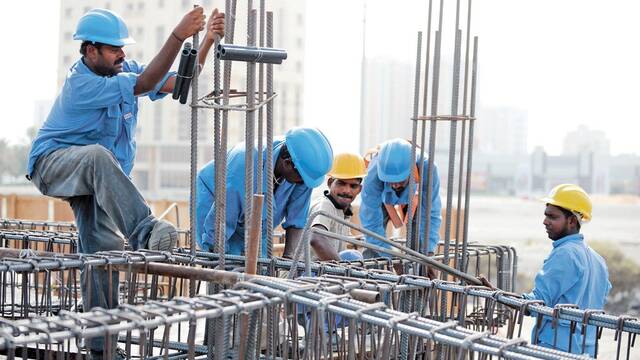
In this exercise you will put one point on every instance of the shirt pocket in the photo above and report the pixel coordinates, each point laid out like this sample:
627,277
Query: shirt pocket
112,121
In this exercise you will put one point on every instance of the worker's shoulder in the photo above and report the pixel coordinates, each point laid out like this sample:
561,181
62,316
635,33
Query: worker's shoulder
321,203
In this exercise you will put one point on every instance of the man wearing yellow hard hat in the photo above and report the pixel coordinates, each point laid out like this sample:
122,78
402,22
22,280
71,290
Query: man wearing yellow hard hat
345,183
572,274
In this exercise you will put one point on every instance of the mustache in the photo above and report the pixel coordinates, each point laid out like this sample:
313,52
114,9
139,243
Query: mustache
345,196
119,61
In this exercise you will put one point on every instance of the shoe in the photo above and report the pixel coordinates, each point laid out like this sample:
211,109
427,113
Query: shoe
118,354
163,236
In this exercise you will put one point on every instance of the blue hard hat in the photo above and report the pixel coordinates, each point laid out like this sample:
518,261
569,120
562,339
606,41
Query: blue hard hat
350,255
394,160
311,154
103,26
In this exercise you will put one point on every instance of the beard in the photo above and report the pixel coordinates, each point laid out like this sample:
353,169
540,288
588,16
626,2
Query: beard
109,70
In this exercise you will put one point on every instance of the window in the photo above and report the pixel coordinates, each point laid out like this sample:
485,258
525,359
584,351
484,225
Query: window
157,122
141,179
68,12
160,36
174,179
141,6
175,154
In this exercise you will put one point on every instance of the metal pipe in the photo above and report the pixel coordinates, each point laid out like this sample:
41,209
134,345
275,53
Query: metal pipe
250,54
255,237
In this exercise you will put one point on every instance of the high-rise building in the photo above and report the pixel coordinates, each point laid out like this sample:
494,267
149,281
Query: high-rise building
163,133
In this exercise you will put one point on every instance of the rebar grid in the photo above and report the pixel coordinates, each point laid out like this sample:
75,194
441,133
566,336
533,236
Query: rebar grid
19,276
372,327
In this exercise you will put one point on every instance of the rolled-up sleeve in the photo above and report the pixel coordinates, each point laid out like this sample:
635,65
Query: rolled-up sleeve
371,215
297,209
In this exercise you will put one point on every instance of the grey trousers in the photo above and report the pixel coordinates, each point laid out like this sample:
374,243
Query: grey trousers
104,201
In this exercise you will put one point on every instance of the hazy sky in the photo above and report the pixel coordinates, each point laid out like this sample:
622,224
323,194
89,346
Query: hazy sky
565,63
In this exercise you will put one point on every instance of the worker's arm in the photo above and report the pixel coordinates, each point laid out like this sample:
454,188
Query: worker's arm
215,29
191,23
435,216
292,237
559,273
296,213
371,215
321,244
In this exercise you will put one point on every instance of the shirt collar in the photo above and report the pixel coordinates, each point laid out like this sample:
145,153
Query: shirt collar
347,211
568,238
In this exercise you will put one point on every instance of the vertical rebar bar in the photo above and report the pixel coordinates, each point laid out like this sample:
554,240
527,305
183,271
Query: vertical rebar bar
249,137
271,312
194,159
260,165
472,112
424,242
452,147
412,178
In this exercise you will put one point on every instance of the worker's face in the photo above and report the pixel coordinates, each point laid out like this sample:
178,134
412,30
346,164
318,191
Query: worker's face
290,172
399,186
107,60
558,225
344,191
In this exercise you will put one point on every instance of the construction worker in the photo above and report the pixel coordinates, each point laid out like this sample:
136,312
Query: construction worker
385,195
85,150
572,274
345,183
300,162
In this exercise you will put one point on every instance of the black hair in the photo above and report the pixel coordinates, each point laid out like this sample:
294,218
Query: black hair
568,214
83,46
284,153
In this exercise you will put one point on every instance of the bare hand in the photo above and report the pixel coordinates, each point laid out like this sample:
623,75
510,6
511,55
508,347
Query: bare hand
191,23
431,273
215,25
485,282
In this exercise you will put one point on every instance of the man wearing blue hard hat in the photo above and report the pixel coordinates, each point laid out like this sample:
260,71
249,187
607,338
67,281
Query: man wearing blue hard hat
85,150
385,195
300,162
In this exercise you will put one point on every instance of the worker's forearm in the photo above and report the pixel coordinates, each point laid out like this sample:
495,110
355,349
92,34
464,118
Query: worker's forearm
292,238
323,249
203,51
158,67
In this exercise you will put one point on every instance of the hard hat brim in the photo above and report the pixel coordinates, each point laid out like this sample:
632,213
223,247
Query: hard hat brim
98,39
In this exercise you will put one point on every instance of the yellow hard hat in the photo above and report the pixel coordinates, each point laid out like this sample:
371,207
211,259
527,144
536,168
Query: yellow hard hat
348,166
571,197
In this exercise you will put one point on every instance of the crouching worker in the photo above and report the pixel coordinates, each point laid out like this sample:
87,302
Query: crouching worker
300,162
385,196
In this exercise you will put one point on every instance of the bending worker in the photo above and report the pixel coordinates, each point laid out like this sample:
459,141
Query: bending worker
572,274
385,194
85,150
301,161
345,183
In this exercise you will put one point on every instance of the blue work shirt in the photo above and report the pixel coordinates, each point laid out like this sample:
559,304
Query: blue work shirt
376,193
572,274
94,109
290,202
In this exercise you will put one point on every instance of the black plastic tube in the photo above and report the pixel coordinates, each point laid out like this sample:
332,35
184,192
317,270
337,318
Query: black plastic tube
186,80
184,58
250,54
